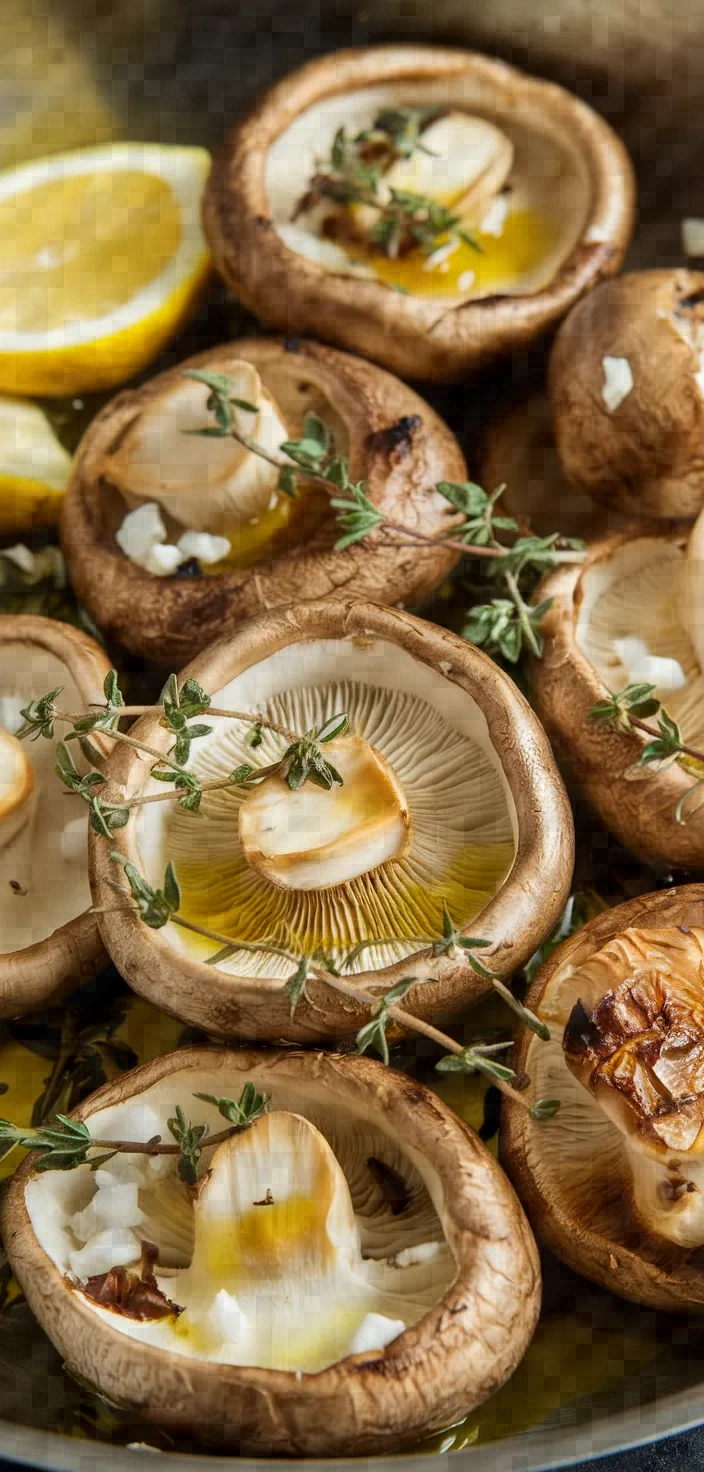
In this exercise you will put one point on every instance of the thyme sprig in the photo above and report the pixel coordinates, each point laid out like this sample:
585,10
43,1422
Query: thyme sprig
503,625
156,907
353,175
64,1144
303,759
627,710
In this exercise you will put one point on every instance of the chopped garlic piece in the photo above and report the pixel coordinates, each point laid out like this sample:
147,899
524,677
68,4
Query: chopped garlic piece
496,215
162,560
114,1247
652,669
618,382
422,1252
693,237
206,548
227,1318
375,1332
141,530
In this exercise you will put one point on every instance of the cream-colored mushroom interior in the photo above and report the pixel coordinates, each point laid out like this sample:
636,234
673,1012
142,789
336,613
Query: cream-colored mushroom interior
43,842
458,849
527,226
629,627
183,495
348,1252
630,1151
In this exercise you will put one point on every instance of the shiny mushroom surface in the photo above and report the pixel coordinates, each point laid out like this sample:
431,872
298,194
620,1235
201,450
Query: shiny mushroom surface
449,799
613,1183
536,179
438,1283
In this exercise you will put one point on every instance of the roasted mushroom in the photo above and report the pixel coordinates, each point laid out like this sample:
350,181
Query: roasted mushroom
626,617
627,390
285,1306
613,1183
148,496
49,940
430,208
449,798
519,452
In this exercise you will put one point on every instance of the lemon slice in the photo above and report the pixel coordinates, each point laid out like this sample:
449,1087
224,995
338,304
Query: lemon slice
101,258
34,468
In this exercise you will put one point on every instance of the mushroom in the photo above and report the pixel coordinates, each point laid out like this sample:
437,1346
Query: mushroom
138,453
49,939
450,797
318,1318
541,182
519,451
613,1183
624,616
627,389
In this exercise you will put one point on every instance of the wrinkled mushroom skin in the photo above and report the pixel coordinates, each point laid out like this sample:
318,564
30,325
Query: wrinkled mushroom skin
459,1352
645,457
638,806
411,335
395,442
44,973
573,1173
519,451
516,919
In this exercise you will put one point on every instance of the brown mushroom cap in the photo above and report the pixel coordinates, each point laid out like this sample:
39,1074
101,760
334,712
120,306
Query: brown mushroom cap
45,971
460,1351
411,334
637,804
519,451
645,457
468,693
571,1172
393,440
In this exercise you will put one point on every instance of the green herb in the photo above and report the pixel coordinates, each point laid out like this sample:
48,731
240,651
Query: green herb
250,1106
627,711
373,1034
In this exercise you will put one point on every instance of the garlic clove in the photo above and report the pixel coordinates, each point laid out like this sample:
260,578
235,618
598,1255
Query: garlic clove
206,548
467,163
313,839
16,787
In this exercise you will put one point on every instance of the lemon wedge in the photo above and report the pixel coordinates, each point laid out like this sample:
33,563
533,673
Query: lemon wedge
101,258
34,468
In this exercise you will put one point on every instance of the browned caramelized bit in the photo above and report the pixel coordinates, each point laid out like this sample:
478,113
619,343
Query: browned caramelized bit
392,1186
640,1049
135,1295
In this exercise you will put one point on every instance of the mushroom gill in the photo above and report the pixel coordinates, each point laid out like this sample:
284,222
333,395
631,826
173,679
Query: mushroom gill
421,821
639,1050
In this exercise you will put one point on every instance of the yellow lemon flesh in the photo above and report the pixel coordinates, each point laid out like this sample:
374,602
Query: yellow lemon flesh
34,468
101,258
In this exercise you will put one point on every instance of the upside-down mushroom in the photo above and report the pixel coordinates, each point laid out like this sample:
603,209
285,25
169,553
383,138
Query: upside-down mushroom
449,798
49,940
613,1184
627,390
290,1303
539,184
629,615
170,536
519,452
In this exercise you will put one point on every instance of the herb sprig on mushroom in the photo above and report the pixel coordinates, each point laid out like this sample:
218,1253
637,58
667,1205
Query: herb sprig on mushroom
627,709
303,760
505,624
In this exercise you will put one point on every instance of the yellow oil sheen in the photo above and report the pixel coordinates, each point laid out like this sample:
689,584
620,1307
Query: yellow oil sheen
67,246
527,238
262,1241
253,540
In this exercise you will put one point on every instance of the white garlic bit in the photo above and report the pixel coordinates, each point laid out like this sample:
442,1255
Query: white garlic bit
375,1332
693,237
205,547
618,382
641,665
